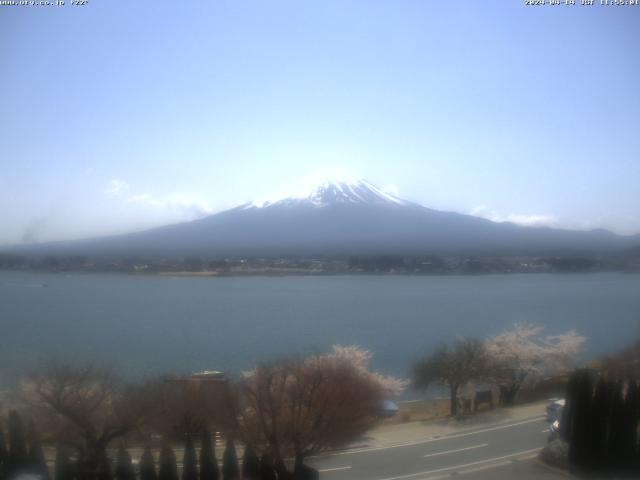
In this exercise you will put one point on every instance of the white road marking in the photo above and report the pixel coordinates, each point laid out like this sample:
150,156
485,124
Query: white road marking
499,464
334,469
484,467
456,450
429,440
437,477
405,402
464,465
546,430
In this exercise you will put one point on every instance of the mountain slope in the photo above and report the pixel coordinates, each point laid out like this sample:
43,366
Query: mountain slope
342,218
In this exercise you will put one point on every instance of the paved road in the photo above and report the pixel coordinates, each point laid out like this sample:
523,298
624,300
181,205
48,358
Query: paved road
501,448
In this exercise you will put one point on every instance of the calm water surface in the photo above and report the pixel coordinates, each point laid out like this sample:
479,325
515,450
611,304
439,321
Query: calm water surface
147,324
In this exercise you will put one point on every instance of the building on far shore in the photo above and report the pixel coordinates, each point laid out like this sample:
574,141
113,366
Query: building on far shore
204,384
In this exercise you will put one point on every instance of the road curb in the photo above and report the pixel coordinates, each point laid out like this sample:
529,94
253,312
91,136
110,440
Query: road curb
487,425
557,470
462,432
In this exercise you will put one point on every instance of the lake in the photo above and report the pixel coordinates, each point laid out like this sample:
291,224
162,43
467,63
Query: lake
150,324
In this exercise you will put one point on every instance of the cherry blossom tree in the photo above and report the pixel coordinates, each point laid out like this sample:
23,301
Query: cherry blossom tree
298,407
524,354
360,359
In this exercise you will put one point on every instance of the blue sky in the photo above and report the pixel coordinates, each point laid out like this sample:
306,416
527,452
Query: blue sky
122,115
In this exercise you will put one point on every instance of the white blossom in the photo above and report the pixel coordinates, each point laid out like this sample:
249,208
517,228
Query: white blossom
525,354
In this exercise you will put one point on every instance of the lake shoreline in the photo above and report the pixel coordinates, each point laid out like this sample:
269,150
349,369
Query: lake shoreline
307,273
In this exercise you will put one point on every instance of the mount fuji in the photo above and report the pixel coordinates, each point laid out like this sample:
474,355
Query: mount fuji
359,192
341,218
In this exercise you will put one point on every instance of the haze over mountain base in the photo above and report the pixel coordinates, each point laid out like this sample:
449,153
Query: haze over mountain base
342,220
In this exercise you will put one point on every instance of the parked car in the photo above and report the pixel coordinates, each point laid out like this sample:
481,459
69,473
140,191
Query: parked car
554,410
554,431
388,409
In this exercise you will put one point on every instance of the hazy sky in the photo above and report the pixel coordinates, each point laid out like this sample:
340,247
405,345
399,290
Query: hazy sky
126,114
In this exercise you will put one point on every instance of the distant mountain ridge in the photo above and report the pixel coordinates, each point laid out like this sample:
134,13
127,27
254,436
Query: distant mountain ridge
341,218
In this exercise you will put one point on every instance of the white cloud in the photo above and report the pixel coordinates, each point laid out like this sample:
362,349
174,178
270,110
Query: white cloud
530,220
175,202
173,205
117,187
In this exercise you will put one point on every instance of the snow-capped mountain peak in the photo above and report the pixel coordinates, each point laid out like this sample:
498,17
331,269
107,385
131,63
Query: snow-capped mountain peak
359,192
355,192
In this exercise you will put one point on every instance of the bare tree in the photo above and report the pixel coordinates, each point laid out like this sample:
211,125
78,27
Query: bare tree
299,407
186,405
86,406
453,366
182,411
523,354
